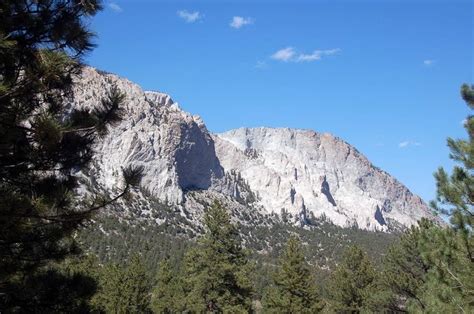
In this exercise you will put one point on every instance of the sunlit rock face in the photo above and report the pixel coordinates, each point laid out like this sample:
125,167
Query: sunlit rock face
306,172
174,147
302,172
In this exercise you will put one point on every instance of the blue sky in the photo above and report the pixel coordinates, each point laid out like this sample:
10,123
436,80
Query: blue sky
382,75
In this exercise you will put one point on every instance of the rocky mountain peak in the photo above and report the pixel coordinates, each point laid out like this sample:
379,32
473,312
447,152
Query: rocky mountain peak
329,177
302,172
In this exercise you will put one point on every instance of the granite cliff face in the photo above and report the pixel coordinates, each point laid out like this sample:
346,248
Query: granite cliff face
300,172
174,147
312,174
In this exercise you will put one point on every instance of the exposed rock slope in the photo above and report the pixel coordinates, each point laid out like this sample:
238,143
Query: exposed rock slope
174,147
305,173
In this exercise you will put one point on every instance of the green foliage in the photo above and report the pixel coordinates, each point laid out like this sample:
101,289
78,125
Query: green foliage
449,283
114,237
168,294
294,288
43,144
430,269
455,195
113,240
352,283
450,251
325,241
427,271
217,271
146,225
404,271
123,289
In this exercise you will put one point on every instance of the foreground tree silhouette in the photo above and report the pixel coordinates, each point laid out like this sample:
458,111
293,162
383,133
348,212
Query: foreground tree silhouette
294,288
43,144
217,271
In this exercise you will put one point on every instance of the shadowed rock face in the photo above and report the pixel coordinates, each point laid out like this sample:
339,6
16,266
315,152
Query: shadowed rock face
326,191
196,161
299,171
379,217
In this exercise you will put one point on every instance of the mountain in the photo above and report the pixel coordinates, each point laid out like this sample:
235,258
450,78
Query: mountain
309,173
256,172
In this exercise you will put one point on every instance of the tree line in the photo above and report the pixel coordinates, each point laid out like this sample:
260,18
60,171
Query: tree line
217,275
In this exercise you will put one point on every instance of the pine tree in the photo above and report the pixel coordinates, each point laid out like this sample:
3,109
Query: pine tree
43,143
352,282
449,286
109,296
404,271
455,196
431,269
217,271
450,251
294,288
137,287
167,296
124,289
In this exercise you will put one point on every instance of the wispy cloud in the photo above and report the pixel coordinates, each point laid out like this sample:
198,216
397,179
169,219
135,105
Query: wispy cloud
285,54
289,54
261,64
239,21
403,144
115,7
317,55
406,144
429,62
190,17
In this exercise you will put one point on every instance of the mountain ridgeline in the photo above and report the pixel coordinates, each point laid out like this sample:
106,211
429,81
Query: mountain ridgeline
300,173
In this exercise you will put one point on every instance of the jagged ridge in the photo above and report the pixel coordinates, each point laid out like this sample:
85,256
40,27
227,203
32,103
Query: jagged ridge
298,171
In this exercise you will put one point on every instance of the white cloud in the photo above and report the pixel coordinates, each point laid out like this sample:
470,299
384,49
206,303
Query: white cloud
285,54
239,21
403,144
290,54
190,17
317,55
429,62
406,144
115,7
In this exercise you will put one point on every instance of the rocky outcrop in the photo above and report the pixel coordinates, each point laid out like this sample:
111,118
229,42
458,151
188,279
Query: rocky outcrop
299,171
174,147
304,171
